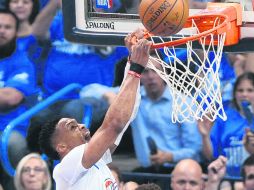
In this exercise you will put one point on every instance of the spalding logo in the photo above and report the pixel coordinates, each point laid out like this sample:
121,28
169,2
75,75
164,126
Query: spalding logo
155,14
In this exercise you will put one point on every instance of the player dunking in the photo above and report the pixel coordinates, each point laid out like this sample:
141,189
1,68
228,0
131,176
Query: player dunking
83,159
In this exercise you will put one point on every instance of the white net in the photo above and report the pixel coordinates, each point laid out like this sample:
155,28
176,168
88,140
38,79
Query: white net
194,82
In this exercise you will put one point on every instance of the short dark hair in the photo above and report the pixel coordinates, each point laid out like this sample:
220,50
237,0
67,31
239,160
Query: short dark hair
45,138
248,162
6,11
149,186
35,9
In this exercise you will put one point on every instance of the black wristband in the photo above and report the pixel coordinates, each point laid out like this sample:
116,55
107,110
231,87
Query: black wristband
137,68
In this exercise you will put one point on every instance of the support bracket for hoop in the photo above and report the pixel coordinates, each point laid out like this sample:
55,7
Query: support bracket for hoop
233,11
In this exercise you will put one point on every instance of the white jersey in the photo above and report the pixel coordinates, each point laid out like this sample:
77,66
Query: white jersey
70,174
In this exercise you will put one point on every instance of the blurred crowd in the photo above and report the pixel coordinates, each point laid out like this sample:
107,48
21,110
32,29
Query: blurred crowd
36,61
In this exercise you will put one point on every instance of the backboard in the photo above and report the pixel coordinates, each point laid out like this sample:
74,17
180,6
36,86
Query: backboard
106,22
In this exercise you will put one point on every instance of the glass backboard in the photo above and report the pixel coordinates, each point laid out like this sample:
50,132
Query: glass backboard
106,22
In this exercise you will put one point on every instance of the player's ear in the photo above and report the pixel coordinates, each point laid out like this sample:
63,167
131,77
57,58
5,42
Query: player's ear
61,148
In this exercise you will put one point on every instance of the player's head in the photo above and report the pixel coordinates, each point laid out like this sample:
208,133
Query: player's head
243,89
59,136
187,175
248,173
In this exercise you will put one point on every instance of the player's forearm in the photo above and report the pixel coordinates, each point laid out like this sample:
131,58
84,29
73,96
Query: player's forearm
121,109
115,120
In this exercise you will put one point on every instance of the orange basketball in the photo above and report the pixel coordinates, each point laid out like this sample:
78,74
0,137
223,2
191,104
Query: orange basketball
163,17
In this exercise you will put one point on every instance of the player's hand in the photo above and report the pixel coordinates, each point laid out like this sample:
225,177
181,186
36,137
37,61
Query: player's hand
132,38
248,140
205,127
140,52
161,157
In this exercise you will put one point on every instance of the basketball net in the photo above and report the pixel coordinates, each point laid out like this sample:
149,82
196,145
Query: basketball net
195,93
194,83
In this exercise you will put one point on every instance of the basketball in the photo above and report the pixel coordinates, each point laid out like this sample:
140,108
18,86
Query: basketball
163,17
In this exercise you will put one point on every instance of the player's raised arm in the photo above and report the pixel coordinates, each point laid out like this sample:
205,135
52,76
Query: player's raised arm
121,109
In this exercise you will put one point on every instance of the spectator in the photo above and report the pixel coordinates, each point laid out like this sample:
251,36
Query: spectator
188,174
69,141
175,141
85,64
149,186
17,78
131,185
17,85
26,12
226,137
32,173
248,173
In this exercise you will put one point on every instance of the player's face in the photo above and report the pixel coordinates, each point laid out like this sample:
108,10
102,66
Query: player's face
245,91
7,28
187,181
152,82
21,8
249,181
33,174
73,133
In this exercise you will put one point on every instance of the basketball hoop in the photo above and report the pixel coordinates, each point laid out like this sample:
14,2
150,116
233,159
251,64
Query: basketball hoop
195,83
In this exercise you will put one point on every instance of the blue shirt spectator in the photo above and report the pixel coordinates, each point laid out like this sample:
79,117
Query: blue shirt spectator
85,64
229,137
227,140
154,119
17,72
25,42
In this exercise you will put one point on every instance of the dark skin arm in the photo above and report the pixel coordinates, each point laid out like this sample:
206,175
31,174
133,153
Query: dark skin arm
120,110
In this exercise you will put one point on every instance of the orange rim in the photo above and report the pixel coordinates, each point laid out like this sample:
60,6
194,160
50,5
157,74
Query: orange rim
217,29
